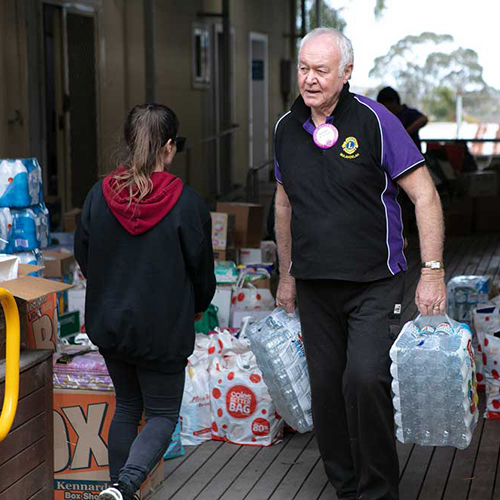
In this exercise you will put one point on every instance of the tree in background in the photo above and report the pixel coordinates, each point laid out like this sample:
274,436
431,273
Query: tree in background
432,81
331,15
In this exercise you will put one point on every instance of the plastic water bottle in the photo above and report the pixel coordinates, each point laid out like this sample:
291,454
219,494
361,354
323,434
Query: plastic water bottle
434,384
277,344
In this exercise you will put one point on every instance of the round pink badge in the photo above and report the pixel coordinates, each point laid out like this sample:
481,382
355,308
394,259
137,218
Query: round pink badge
325,135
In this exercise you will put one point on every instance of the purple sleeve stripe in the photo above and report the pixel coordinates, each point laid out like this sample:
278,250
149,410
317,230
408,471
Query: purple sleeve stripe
277,172
379,125
409,169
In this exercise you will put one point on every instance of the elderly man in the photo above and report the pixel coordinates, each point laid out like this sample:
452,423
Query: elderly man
340,159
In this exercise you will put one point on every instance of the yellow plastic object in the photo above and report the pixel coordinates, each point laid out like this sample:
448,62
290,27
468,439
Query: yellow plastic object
12,362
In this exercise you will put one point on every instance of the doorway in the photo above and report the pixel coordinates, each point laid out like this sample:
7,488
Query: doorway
258,112
69,37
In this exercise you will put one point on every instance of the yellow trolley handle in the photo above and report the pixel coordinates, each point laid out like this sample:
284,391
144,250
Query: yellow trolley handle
12,362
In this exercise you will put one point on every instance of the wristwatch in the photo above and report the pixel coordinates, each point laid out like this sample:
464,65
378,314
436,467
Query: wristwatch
432,264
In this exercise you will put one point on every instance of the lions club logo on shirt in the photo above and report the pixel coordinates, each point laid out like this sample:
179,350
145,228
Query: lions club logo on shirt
350,146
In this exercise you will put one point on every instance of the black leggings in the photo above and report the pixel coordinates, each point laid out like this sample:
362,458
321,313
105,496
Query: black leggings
159,395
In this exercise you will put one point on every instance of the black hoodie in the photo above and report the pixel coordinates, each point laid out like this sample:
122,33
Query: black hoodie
147,275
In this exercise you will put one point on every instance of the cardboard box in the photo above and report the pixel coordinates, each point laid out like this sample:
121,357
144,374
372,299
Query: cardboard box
81,427
249,222
483,183
487,213
36,301
223,230
230,254
58,264
251,256
70,220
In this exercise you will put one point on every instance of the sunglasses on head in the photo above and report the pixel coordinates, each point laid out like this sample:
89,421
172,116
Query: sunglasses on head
180,142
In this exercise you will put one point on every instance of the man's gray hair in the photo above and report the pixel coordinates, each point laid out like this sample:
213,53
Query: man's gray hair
343,43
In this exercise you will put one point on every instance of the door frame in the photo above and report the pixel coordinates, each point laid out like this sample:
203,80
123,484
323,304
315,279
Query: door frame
217,30
90,8
258,37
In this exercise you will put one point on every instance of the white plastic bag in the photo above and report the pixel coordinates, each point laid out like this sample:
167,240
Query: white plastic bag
483,319
251,298
242,409
487,325
492,376
196,423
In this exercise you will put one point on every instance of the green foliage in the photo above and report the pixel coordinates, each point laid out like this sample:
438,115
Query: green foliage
432,82
330,17
380,6
440,104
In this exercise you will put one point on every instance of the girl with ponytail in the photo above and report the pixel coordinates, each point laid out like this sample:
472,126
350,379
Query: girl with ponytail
144,245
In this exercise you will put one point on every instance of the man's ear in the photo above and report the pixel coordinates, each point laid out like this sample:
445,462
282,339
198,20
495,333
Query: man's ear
348,72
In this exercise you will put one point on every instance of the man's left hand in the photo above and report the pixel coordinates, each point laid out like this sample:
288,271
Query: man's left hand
431,293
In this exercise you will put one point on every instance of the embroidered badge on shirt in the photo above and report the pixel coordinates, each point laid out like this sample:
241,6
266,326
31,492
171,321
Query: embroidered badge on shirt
350,146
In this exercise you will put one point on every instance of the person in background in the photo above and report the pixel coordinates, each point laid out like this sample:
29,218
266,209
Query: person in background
340,160
144,244
412,119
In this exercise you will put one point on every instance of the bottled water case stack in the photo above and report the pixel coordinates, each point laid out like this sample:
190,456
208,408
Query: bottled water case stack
24,218
277,344
434,383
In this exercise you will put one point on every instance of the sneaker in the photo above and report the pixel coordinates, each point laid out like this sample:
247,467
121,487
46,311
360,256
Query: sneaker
111,493
116,492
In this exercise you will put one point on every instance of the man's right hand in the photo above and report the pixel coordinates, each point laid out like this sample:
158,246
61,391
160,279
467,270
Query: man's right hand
286,295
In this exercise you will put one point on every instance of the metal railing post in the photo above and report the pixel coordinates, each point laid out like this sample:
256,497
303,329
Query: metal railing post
11,362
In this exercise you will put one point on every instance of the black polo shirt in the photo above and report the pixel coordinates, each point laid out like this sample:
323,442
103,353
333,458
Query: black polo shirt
346,220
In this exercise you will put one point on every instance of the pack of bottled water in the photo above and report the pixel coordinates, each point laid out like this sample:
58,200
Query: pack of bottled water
20,182
434,383
30,229
464,293
5,228
277,344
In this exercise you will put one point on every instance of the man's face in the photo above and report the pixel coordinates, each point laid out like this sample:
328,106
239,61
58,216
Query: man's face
319,81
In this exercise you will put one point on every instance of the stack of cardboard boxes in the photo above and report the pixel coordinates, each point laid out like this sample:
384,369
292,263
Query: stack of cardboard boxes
237,230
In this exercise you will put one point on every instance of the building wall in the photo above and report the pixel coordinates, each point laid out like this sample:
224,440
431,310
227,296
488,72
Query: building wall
121,46
14,113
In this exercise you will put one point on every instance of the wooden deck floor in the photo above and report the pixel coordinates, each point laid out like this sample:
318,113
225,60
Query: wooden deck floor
292,470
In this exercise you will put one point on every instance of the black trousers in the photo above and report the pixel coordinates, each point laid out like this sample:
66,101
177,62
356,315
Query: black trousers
348,329
132,456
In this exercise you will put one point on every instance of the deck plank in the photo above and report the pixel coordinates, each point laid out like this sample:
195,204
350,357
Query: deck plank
462,468
297,475
184,473
256,469
437,474
485,469
328,493
314,484
415,473
207,472
273,476
223,480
